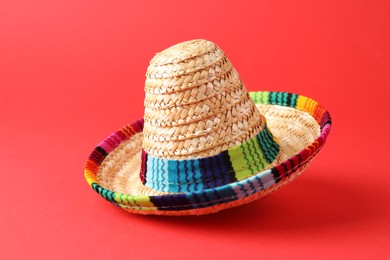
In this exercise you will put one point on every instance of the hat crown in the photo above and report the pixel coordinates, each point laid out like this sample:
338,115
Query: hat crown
201,128
195,104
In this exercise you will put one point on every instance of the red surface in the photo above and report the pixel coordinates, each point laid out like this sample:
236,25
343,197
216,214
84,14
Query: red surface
72,72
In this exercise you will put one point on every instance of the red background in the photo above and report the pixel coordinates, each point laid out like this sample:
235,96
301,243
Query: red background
72,72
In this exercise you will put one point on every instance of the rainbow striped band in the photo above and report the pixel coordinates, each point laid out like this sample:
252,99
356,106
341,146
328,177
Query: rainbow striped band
237,163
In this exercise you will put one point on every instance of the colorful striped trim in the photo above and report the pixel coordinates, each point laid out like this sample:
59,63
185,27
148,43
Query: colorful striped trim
237,163
221,194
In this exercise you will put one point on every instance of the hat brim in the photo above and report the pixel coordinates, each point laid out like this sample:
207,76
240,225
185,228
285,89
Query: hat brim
299,123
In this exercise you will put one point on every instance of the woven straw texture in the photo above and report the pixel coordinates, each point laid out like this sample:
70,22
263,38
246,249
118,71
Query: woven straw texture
195,104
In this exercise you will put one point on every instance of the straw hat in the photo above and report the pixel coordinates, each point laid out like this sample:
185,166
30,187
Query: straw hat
205,144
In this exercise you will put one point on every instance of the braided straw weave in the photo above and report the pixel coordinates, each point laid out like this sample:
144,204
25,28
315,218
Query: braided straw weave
195,104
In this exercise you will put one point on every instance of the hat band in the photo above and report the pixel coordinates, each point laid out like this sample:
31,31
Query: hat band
236,163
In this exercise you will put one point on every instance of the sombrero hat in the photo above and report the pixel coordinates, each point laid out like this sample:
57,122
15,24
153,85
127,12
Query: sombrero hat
205,144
